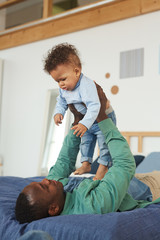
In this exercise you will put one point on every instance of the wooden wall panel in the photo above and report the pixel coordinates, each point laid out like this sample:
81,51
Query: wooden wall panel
150,5
47,8
81,20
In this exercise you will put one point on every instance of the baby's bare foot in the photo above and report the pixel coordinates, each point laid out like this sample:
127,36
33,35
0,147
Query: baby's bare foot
102,170
85,168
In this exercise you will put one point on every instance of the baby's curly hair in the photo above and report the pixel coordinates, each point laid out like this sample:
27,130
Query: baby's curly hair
63,53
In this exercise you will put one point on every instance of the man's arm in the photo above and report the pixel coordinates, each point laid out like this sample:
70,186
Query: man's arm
108,194
65,163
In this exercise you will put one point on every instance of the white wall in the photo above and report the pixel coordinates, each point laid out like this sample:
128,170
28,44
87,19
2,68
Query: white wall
25,85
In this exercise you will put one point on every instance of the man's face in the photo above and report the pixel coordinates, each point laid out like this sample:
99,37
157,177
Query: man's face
66,76
46,191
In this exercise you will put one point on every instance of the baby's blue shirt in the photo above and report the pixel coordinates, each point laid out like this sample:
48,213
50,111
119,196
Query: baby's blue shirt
85,91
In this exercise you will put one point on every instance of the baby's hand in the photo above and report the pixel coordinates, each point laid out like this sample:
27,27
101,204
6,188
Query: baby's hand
58,119
80,129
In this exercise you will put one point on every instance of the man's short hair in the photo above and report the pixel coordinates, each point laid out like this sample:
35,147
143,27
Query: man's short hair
27,212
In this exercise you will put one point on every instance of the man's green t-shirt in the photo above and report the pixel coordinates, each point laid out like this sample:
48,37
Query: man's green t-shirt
100,196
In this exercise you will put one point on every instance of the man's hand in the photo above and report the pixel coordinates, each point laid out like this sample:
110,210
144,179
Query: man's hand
77,115
80,129
103,100
58,119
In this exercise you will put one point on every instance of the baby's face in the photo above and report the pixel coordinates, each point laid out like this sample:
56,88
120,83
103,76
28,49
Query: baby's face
66,76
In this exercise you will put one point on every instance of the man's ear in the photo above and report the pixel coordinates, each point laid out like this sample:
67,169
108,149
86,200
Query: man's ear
53,209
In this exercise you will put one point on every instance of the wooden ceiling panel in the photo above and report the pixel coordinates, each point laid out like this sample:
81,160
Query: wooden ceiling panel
55,26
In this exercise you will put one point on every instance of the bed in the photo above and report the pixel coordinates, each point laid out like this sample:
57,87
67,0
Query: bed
137,224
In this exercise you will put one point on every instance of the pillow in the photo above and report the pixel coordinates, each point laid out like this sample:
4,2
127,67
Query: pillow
150,163
138,159
95,164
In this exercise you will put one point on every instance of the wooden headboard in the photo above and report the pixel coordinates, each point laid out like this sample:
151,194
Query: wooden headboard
140,136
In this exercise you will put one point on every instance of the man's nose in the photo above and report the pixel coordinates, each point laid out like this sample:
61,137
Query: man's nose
46,181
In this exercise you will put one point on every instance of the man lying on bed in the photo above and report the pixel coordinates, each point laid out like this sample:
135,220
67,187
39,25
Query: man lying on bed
48,198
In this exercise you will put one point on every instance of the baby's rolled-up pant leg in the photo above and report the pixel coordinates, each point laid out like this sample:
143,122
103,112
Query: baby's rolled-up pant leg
104,155
87,146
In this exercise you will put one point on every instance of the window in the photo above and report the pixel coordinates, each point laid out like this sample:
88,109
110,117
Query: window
53,135
132,63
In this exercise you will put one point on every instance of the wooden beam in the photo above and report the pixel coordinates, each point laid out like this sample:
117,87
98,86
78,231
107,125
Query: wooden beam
140,136
150,5
47,8
143,134
55,26
10,3
140,143
128,140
